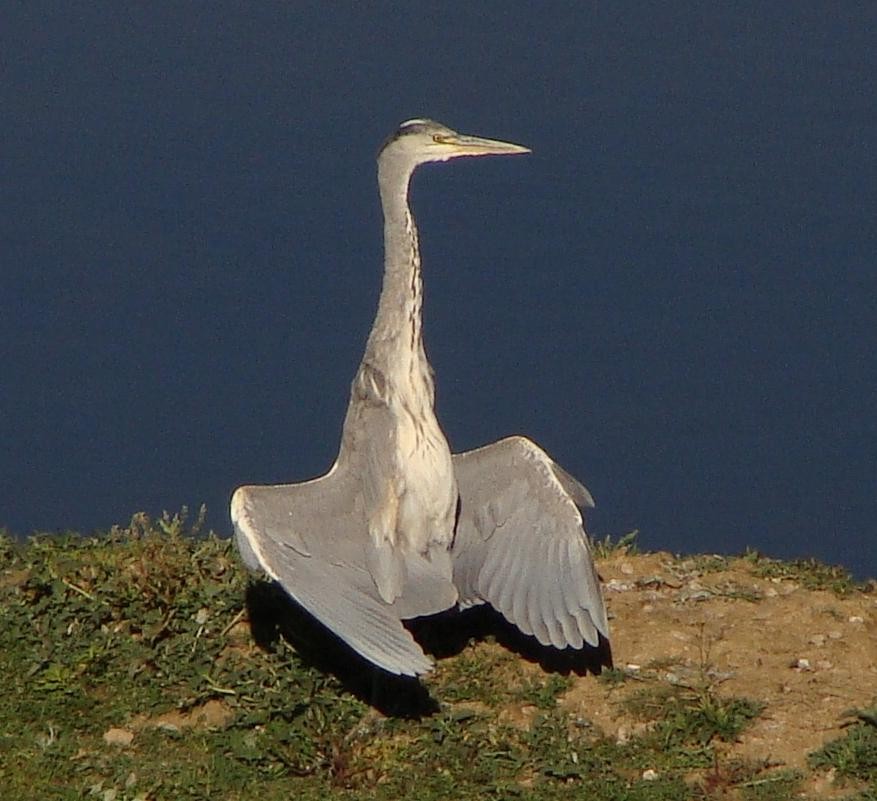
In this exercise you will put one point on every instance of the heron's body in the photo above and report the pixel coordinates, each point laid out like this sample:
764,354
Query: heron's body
378,539
390,431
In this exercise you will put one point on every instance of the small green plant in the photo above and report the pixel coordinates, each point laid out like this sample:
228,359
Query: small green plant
625,544
701,565
543,692
853,756
774,785
691,717
614,676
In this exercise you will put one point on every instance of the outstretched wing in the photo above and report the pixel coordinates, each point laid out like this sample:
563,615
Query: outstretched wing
311,538
520,543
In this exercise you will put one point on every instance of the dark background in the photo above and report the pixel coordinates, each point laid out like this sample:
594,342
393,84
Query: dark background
674,294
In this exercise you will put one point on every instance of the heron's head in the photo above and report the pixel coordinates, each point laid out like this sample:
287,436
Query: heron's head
418,141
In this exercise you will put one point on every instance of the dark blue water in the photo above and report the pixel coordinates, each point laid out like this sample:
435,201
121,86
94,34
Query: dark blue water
675,294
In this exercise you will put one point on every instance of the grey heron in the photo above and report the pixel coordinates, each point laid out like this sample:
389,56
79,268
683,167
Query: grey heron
399,528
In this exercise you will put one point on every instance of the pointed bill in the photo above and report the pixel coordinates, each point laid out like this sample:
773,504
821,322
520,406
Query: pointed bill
463,145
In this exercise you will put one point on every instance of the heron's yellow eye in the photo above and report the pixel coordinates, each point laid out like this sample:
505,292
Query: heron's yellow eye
438,139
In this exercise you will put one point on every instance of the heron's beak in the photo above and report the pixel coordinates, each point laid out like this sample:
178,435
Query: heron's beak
462,145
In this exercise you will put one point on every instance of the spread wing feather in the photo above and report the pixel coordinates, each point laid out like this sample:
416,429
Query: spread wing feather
311,538
521,546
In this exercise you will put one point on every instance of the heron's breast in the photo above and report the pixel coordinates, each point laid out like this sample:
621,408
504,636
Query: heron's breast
429,497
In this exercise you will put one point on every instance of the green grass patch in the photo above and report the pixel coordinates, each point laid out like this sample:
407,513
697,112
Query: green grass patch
487,679
809,573
853,756
149,627
684,721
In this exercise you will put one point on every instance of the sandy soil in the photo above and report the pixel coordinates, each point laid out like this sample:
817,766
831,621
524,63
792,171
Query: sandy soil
808,655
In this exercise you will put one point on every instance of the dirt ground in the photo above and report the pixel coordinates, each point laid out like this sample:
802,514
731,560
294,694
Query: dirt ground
808,655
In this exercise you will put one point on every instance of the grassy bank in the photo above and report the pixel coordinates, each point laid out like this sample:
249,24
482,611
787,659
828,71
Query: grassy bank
146,664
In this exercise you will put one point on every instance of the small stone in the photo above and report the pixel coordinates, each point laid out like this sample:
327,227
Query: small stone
857,619
835,634
170,728
614,585
770,592
818,640
627,568
696,595
201,616
650,775
802,664
119,737
824,664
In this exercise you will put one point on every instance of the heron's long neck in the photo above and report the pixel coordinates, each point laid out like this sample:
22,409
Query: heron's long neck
397,328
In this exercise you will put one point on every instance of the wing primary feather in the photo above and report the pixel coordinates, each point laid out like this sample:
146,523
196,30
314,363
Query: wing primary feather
541,614
583,591
521,615
577,491
556,605
539,579
552,614
505,575
505,599
488,581
577,559
587,627
522,594
570,579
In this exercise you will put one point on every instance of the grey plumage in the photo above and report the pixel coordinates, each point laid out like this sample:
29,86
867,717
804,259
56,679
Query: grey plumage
520,544
377,540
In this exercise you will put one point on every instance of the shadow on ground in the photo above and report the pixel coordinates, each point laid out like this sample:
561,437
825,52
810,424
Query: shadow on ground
272,614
